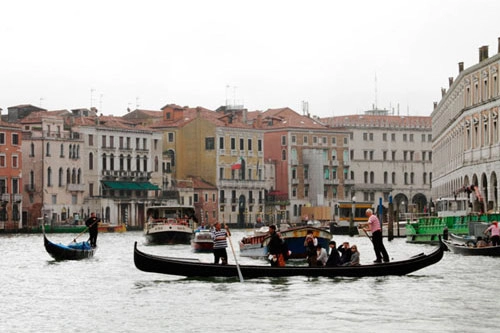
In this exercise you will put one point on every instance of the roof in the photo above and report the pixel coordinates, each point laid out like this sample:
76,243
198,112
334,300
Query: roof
379,121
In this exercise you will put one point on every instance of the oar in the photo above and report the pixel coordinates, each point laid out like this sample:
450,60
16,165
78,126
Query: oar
234,254
84,231
366,233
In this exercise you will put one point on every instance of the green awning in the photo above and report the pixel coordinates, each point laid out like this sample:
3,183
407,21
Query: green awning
131,186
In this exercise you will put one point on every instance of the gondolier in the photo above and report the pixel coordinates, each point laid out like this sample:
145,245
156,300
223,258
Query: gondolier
92,223
219,237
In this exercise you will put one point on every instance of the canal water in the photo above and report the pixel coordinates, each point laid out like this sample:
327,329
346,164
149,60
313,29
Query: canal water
108,294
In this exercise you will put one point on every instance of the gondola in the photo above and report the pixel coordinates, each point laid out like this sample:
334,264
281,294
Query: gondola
194,268
72,251
470,250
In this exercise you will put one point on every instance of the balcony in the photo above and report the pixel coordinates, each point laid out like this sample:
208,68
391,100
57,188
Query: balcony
334,163
75,187
6,197
246,184
18,197
29,187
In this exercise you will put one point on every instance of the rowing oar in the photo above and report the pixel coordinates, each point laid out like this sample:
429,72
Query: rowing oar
234,254
366,233
84,231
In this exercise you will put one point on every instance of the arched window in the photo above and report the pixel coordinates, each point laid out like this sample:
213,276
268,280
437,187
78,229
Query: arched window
68,176
61,176
79,176
91,161
283,155
49,176
62,150
32,150
104,167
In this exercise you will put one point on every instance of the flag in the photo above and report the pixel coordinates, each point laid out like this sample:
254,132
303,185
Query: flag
237,165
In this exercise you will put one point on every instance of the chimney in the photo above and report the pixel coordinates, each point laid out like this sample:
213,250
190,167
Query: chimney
443,92
483,53
450,81
435,105
460,67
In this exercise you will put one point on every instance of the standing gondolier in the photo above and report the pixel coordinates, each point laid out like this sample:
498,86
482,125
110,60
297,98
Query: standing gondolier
92,223
219,237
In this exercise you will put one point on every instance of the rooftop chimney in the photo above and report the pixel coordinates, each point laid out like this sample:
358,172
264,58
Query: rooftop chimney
435,105
450,81
443,92
483,53
460,67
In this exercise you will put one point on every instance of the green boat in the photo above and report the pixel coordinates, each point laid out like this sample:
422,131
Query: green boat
428,229
61,228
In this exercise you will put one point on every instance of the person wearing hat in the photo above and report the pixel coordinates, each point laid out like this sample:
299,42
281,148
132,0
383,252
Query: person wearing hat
495,233
334,257
92,223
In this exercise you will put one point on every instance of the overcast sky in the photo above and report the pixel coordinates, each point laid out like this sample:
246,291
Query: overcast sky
342,57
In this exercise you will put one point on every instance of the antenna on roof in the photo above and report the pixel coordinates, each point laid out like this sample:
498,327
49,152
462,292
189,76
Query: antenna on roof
92,97
305,108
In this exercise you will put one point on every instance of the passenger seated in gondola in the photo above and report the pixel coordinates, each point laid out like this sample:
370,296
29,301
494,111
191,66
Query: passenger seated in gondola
322,256
334,257
311,243
481,242
345,252
354,257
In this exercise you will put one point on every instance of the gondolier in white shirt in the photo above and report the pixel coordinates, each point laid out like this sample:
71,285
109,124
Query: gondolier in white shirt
219,237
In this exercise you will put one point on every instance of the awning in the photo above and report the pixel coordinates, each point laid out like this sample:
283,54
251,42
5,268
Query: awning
131,186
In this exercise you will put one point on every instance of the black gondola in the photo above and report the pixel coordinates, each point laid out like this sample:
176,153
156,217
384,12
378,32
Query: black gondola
194,268
470,250
72,251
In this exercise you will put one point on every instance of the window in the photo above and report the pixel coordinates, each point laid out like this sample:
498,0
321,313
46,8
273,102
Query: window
233,144
334,141
386,175
283,140
170,137
315,140
249,148
15,139
393,178
384,155
305,140
209,143
242,144
2,138
384,136
371,136
15,161
294,139
411,137
2,161
365,136
195,197
371,155
405,138
32,150
393,153
423,137
221,143
259,145
393,137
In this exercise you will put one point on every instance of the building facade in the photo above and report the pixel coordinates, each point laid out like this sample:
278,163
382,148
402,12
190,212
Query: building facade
11,201
390,157
466,132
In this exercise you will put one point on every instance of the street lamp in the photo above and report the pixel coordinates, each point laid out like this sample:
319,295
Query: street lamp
353,207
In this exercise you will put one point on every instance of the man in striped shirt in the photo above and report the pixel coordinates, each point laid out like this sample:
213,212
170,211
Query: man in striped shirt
219,237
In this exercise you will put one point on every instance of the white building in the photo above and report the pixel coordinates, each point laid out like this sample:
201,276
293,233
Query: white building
466,133
390,156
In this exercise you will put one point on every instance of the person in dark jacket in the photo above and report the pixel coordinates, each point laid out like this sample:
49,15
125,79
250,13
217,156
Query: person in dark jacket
334,257
275,248
92,223
346,253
